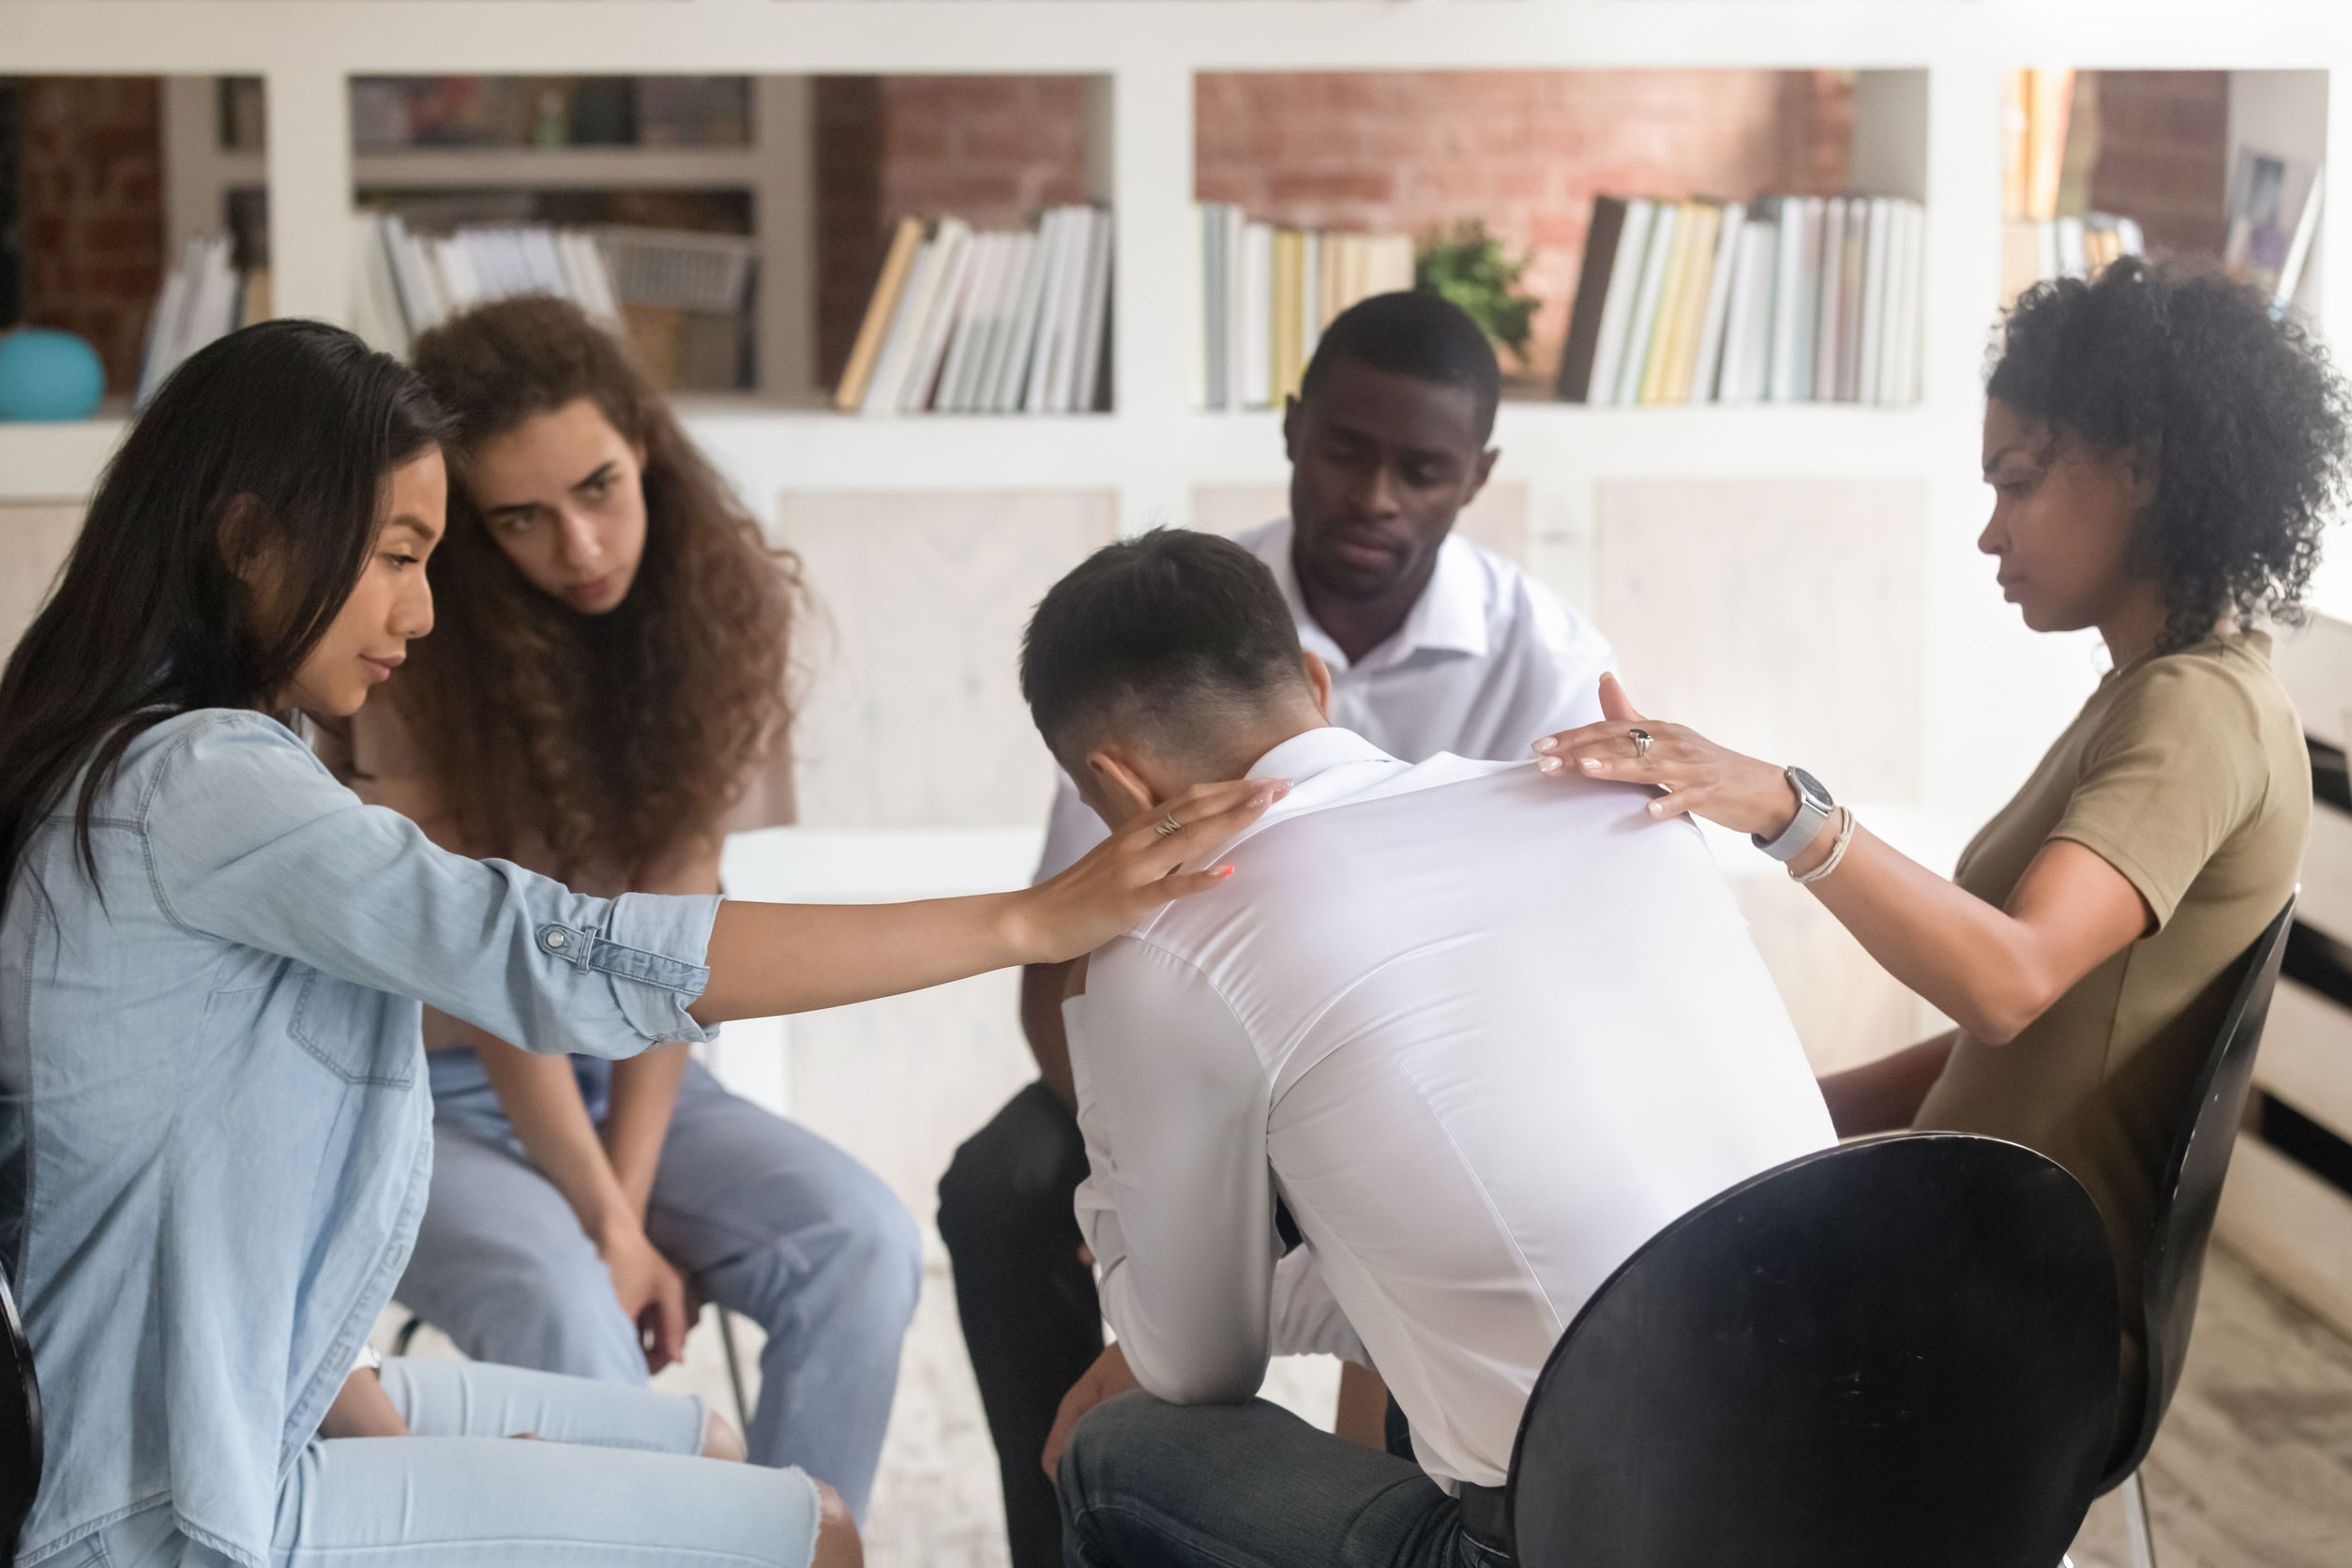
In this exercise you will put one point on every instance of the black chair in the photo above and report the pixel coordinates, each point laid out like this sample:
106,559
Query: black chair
20,1426
1900,1350
2186,1201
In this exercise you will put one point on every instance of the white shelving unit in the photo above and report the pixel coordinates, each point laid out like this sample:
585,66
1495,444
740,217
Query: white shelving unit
1928,104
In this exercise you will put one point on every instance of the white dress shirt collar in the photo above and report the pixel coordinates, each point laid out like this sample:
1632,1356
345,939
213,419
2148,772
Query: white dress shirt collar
1449,617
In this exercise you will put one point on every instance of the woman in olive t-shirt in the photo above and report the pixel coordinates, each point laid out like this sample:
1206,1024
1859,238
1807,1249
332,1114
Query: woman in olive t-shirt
2163,456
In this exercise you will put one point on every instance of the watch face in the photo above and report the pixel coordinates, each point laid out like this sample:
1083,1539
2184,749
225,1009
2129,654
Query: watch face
1811,789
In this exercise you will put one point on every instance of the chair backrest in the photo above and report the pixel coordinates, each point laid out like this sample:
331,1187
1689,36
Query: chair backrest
1898,1350
2191,1191
20,1426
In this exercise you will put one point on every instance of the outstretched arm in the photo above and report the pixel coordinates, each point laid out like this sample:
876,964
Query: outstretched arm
1992,969
771,958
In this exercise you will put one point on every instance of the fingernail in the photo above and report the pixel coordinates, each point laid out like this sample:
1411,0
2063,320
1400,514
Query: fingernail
1592,764
1549,764
1224,871
1278,788
1548,744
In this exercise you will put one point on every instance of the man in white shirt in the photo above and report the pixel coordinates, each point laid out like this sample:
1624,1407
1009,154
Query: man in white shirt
1478,1033
1432,643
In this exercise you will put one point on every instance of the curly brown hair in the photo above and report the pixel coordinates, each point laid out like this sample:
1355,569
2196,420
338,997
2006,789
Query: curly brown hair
613,739
2240,413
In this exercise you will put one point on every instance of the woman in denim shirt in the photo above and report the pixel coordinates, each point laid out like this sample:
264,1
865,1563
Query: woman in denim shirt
215,1140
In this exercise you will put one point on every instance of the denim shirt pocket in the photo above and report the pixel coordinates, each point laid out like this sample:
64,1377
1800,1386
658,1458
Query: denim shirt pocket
349,1029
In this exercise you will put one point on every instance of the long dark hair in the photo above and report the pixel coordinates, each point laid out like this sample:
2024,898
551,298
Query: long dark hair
2240,413
273,442
613,738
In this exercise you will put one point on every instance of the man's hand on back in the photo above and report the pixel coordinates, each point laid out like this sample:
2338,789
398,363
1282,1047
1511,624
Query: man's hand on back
1107,1379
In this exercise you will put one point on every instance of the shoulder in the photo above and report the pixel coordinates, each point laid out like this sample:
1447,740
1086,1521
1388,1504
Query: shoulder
2212,688
1265,540
214,750
1521,609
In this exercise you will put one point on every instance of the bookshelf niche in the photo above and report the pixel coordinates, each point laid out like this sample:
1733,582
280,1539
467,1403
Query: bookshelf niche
1314,189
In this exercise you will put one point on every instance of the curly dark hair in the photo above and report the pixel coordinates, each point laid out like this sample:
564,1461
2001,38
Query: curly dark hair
2240,413
615,739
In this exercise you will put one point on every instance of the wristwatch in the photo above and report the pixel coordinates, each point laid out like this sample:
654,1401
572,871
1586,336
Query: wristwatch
1813,806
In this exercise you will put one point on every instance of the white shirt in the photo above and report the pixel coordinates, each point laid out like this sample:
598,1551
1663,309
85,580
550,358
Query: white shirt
1483,1033
1486,662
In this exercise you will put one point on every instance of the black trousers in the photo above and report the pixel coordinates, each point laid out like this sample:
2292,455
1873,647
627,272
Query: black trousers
1031,1320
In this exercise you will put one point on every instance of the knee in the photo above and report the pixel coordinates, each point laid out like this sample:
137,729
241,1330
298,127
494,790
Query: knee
837,1542
1091,1458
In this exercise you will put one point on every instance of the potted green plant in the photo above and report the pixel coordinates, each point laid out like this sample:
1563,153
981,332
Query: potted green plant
1468,267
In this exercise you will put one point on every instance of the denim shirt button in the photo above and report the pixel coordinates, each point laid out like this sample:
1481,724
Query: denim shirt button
556,939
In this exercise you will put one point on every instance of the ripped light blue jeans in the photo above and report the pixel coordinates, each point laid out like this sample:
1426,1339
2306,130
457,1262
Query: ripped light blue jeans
616,1483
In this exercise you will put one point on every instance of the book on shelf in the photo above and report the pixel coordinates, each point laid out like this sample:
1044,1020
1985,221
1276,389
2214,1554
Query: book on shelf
2036,249
1778,299
987,322
205,296
2036,107
405,283
1265,293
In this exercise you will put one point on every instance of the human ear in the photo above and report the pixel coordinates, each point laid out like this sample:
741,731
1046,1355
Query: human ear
1480,473
1121,791
1317,678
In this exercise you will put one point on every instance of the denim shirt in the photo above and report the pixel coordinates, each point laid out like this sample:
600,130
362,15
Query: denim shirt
215,1130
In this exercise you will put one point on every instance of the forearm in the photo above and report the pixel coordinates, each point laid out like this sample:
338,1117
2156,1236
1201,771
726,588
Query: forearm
1883,1096
1974,961
1042,985
541,1100
644,1093
770,959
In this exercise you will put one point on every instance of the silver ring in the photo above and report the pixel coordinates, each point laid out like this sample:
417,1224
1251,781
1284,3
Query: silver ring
1642,741
1167,826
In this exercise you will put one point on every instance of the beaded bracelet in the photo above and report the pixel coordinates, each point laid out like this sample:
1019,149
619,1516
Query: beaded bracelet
1837,852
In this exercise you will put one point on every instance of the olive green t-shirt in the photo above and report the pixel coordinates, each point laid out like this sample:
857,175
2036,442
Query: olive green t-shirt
2188,773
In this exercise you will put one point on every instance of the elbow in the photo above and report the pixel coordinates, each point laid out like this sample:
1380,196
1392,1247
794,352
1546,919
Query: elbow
2008,1011
1230,1381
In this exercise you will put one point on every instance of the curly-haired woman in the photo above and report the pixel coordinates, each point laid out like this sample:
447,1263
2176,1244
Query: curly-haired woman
605,682
2163,456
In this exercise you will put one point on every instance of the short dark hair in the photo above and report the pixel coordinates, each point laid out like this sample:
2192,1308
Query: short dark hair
2239,411
1418,335
1176,629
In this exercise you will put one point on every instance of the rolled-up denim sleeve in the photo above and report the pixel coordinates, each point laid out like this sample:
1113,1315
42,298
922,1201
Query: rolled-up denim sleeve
250,840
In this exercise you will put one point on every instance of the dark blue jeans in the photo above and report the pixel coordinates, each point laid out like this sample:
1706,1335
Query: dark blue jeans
1150,1485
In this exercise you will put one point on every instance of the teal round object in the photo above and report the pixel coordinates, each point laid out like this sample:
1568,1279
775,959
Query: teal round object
49,375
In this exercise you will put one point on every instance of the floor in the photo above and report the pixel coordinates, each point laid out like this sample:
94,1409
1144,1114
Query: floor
2253,1469
2253,1466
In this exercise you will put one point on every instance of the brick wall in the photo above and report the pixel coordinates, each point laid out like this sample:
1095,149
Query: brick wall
1403,150
2164,155
1527,151
91,190
989,149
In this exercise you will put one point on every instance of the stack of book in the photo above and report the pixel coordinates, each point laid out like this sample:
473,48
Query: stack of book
993,322
1267,292
2035,249
204,297
1782,299
405,283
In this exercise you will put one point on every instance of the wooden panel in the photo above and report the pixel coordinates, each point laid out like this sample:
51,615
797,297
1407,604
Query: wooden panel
2316,666
34,541
2306,1056
1497,519
1846,1009
1783,619
2325,898
2292,1226
912,715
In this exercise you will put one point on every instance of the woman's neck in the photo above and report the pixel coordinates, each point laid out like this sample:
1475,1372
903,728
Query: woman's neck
2135,627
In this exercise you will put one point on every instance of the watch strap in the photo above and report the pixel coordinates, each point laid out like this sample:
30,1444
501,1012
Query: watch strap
1812,811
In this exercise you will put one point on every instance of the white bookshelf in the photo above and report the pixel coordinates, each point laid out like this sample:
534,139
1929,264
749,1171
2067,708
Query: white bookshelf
1927,110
